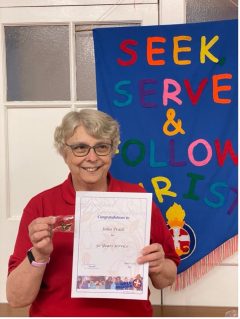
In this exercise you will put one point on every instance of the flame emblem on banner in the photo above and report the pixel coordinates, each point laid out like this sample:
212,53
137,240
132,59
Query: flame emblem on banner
183,235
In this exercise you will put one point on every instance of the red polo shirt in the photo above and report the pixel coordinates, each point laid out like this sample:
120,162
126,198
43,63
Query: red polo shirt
54,298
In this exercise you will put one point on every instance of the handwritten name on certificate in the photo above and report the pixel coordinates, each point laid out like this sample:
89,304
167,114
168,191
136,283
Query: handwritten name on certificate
111,228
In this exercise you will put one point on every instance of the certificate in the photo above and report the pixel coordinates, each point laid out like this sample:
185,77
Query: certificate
111,229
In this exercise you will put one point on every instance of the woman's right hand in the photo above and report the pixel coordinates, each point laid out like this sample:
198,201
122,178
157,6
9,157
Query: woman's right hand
24,282
40,234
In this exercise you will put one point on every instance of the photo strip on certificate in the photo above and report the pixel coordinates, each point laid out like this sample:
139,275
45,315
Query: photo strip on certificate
110,230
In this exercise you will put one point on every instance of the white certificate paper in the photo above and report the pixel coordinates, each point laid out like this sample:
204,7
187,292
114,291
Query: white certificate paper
111,228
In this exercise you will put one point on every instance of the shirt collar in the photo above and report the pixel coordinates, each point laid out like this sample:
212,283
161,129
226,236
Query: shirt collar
69,193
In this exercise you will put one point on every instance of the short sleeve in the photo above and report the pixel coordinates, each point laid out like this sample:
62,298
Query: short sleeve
161,234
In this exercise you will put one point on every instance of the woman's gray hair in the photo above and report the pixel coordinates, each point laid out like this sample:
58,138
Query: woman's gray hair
97,124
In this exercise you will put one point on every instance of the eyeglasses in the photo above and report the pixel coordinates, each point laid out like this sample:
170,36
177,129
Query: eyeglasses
81,149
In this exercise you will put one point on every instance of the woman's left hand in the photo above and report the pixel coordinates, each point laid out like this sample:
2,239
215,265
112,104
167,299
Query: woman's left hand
154,254
162,271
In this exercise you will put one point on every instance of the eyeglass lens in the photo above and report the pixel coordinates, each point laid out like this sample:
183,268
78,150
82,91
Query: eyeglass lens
84,149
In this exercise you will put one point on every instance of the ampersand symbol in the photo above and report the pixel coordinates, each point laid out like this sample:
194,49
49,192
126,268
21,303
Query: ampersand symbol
170,121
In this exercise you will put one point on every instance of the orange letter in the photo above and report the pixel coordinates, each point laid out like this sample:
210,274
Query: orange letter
218,88
151,51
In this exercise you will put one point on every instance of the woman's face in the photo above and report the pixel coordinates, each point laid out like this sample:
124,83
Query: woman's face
88,172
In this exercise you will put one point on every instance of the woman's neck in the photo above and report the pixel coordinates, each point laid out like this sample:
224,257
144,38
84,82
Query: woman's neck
101,187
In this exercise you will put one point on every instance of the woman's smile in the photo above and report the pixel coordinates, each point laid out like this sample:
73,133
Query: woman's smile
91,169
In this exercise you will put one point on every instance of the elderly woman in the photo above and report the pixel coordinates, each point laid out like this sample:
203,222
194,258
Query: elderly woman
41,265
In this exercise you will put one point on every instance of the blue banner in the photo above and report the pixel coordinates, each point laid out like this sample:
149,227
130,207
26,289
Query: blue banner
173,89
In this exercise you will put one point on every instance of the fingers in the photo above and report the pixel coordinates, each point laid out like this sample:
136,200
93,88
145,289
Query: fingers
41,227
42,223
154,254
50,220
40,234
42,244
152,248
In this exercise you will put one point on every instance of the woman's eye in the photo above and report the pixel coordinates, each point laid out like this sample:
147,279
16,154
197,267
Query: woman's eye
80,147
102,146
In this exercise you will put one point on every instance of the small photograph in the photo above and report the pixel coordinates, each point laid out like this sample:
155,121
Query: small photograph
110,282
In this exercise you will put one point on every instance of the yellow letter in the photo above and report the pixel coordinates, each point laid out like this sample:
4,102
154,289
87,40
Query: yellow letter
162,191
177,49
205,49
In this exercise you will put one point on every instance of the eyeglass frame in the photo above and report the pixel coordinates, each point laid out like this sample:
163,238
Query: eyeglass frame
89,148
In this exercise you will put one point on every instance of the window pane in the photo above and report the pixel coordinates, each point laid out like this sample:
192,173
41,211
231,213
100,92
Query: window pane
37,59
211,10
85,73
85,77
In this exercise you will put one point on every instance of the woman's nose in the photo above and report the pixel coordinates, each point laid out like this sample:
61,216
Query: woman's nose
92,156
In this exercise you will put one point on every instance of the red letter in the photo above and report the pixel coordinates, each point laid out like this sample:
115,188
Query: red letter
131,52
194,97
221,156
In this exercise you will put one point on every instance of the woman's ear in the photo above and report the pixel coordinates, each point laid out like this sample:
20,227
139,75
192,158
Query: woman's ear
64,155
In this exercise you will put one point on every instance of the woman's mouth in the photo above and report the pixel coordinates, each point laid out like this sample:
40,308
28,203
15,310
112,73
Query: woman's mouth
91,169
